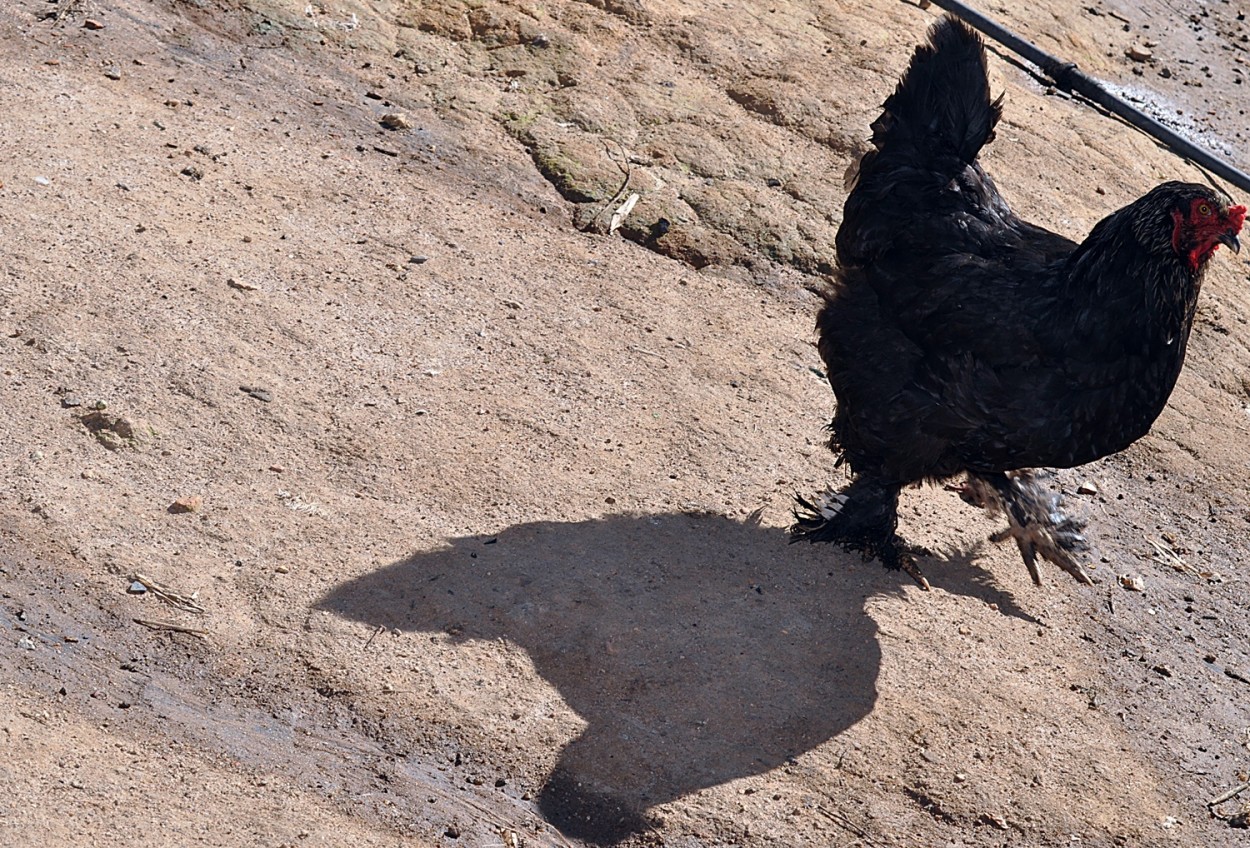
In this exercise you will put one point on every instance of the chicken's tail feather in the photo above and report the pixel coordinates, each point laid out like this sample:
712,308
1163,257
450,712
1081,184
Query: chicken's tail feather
941,114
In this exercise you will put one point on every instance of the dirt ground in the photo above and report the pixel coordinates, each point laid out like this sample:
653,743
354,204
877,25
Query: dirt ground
470,516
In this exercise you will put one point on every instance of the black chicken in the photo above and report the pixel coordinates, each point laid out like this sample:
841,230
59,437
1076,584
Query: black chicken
959,338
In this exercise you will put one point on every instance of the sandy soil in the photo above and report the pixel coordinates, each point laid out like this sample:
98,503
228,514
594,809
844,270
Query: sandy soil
471,516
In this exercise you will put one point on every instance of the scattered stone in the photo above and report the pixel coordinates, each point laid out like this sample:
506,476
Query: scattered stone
541,41
994,821
112,431
395,121
1229,671
1132,582
1240,820
26,643
277,469
70,401
43,181
92,23
187,504
965,630
1166,73
1087,488
418,260
260,394
1138,53
136,588
240,284
960,777
1162,670
452,832
113,72
193,172
282,569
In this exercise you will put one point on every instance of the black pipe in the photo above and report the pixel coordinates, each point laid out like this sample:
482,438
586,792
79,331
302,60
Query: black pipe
1069,77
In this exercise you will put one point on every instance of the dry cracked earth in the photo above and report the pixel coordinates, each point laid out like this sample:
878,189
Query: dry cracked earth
458,510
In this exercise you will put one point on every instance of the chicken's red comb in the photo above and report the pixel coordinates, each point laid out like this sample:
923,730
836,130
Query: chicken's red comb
1237,216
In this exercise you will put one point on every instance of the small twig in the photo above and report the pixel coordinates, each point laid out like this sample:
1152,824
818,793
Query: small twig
175,600
841,820
625,169
646,352
373,636
1229,795
169,625
1166,556
618,217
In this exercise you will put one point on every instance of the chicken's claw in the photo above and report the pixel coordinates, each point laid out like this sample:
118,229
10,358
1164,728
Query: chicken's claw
908,564
1035,521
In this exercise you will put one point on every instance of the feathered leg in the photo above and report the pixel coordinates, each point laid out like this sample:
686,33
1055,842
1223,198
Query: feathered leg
861,517
1035,519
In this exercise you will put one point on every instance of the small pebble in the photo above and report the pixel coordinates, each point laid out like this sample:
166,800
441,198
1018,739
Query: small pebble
1132,582
1087,488
1138,53
43,181
26,643
282,569
92,23
418,260
395,121
137,588
187,504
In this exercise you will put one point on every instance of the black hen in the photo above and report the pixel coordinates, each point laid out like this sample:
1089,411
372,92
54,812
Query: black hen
960,339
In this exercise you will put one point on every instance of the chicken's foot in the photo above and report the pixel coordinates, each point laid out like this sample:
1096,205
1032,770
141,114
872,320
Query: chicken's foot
861,517
1035,520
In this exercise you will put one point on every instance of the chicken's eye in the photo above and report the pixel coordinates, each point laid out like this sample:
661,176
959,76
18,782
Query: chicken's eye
1204,209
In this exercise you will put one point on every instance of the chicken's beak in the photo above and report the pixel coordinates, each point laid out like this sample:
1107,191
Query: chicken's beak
1231,241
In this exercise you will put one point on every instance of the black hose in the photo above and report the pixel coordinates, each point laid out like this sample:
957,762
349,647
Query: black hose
1069,77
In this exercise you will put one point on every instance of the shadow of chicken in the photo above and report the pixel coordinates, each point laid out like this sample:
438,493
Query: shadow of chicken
960,339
